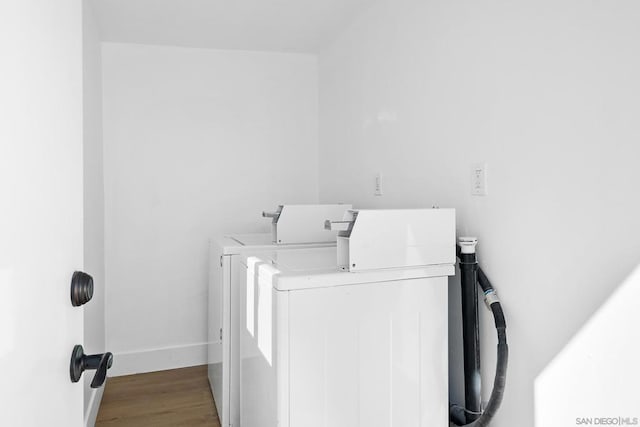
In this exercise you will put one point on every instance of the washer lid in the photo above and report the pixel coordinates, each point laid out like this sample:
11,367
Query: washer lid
257,239
317,268
241,243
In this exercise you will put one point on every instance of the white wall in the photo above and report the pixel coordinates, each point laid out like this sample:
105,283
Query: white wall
547,94
197,143
94,324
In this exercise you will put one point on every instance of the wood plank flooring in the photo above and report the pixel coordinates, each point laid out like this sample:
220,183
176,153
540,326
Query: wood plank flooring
179,397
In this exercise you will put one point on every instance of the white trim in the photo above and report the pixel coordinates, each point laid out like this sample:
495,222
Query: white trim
94,406
158,359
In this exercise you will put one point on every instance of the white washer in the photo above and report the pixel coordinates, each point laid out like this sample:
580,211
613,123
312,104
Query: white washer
321,346
223,324
293,227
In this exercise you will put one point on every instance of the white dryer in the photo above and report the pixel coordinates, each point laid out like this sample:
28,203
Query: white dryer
324,346
294,227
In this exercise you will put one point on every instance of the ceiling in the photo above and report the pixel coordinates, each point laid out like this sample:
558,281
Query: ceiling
275,25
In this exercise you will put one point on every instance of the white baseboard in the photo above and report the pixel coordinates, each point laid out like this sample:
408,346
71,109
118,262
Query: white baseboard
94,406
158,359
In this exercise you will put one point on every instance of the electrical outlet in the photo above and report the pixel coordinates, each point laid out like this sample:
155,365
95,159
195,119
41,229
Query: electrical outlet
479,179
378,185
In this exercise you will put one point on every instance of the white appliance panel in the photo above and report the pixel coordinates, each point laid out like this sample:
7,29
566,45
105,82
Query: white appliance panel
305,223
397,238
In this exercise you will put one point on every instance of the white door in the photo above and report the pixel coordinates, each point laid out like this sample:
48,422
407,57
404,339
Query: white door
40,210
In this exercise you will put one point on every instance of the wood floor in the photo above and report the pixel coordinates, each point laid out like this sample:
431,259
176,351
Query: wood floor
179,397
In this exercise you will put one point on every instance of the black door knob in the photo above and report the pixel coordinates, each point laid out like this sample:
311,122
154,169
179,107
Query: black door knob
80,362
81,288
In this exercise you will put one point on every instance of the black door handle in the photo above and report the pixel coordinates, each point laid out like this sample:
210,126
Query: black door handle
81,362
81,288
